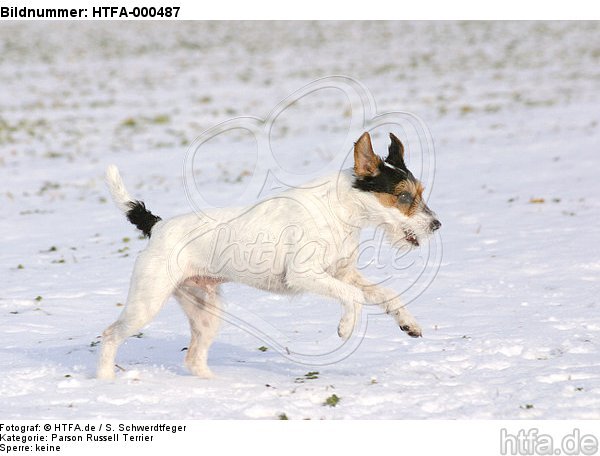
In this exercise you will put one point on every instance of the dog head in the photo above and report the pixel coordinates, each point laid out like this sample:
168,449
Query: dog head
398,202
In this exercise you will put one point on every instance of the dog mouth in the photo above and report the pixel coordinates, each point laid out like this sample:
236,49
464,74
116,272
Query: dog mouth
411,238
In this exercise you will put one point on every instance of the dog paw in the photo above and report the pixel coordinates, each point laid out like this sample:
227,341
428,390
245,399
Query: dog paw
407,323
412,329
202,372
345,328
105,374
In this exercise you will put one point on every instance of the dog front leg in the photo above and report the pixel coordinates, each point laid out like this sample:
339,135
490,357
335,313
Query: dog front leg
388,300
349,295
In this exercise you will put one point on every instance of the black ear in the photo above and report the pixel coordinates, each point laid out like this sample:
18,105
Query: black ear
396,153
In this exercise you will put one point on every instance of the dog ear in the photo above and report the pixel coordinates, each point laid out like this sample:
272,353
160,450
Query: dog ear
396,153
366,163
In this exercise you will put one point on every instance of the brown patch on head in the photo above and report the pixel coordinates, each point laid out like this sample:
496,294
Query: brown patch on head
366,163
386,199
415,190
407,197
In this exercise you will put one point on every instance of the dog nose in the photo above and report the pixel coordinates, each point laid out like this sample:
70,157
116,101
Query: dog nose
435,225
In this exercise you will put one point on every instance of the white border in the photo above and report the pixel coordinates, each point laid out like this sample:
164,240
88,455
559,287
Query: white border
344,10
302,438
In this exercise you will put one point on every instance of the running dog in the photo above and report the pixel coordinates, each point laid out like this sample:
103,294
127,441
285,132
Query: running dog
303,240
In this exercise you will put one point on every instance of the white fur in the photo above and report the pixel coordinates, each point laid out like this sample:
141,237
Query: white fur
117,189
303,240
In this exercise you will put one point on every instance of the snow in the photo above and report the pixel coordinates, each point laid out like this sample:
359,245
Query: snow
511,322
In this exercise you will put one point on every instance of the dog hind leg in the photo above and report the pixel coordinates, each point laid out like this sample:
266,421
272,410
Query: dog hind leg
202,307
150,288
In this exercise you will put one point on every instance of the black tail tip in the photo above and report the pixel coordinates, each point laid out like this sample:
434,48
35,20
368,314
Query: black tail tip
141,217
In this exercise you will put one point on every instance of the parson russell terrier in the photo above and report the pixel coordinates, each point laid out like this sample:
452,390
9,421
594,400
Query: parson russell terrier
311,236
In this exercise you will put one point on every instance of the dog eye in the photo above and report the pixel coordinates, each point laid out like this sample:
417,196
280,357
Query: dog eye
405,198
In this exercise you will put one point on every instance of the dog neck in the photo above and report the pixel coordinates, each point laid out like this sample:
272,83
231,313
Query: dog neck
350,205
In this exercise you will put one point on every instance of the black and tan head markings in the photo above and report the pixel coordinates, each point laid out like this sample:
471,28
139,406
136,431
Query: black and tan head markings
385,180
389,180
409,197
393,189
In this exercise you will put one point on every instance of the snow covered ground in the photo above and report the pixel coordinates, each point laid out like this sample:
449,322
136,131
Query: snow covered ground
511,322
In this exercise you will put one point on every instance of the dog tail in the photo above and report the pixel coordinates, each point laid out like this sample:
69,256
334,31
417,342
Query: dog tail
134,210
